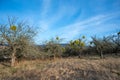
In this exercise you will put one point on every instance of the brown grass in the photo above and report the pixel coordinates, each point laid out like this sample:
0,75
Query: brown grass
63,69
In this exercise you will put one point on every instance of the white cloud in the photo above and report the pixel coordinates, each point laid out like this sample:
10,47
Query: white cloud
91,24
45,7
47,23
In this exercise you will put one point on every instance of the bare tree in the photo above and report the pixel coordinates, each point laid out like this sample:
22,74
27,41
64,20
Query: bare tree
116,40
16,35
98,45
103,45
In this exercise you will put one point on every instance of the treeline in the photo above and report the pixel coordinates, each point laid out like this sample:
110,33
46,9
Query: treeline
16,43
109,45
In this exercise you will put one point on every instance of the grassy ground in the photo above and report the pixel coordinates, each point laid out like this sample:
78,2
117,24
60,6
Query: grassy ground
63,69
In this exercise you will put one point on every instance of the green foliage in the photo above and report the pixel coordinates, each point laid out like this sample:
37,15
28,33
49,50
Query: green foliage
75,47
83,37
118,33
57,38
13,28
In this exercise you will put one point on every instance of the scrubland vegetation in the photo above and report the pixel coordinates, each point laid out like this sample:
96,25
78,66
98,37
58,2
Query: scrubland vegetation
21,59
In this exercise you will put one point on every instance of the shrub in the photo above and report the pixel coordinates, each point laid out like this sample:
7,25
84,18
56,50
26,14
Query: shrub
75,48
54,48
103,45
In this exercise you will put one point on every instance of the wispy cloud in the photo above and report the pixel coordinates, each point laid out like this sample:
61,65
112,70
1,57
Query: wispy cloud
46,24
59,14
91,24
45,8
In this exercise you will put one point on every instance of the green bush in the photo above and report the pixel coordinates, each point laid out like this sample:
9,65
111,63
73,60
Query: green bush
75,48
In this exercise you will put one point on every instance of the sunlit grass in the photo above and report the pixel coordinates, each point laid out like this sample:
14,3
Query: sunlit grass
64,69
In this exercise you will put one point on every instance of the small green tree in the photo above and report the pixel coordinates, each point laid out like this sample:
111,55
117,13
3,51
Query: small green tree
75,47
17,35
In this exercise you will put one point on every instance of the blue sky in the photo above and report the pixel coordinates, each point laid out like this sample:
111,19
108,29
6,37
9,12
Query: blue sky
68,19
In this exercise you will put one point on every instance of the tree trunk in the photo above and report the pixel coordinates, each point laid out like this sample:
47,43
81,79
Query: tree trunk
13,57
101,54
79,54
54,56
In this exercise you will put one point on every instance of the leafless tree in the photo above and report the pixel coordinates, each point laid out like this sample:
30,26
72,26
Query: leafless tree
17,35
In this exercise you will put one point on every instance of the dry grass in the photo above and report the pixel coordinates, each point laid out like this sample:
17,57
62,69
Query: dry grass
63,69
